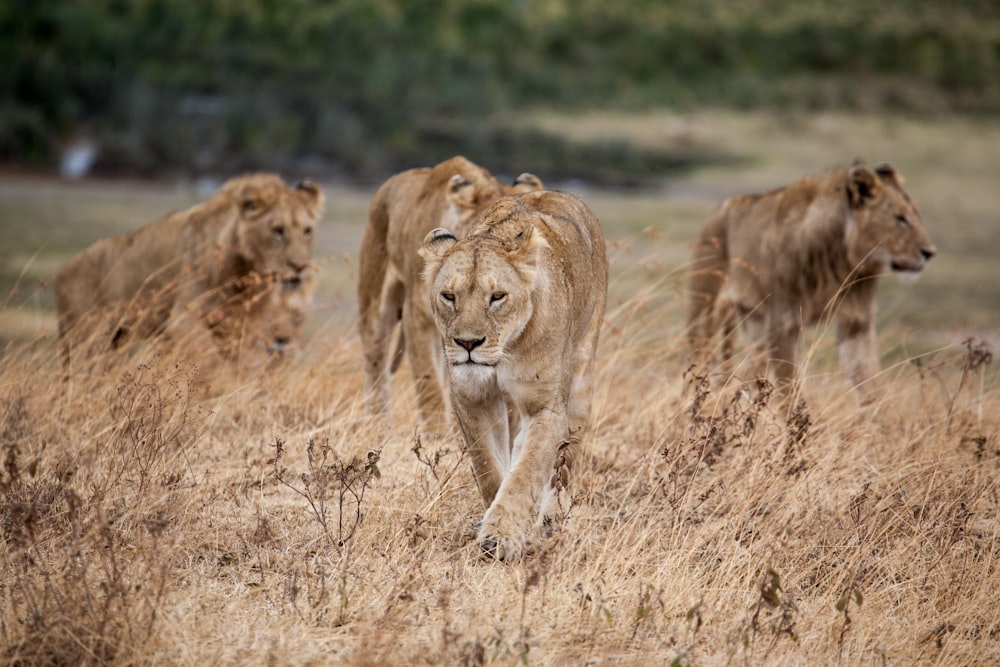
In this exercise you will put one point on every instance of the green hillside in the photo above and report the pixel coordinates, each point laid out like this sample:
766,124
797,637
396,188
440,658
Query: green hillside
360,88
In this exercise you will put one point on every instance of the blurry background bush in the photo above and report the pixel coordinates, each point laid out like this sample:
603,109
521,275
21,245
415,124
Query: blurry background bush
362,88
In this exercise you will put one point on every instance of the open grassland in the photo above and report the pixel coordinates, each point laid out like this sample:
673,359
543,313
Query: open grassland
162,508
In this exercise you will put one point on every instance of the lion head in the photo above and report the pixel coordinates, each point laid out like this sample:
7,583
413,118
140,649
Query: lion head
471,190
267,318
285,316
480,292
885,231
466,194
276,224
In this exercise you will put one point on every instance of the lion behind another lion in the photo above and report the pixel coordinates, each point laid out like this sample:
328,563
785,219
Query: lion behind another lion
179,272
390,288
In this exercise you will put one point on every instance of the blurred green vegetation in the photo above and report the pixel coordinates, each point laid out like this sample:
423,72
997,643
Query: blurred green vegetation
361,88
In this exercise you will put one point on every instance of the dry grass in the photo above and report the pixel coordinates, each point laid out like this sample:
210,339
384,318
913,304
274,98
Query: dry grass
154,515
167,510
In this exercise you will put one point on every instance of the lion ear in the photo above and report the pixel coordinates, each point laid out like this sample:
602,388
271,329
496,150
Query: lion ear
247,193
524,248
862,185
311,189
436,244
461,192
527,182
250,201
889,173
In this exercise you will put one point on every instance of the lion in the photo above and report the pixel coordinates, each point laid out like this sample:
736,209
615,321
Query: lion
406,207
518,303
805,253
265,321
172,274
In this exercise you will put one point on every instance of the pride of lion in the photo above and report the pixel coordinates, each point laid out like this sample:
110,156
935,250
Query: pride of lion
498,293
193,269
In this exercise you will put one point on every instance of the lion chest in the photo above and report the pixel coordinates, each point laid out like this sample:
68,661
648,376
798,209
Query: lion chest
531,389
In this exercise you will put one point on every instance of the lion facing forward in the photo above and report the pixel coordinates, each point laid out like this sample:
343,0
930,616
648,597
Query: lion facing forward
406,207
264,322
519,304
178,271
813,250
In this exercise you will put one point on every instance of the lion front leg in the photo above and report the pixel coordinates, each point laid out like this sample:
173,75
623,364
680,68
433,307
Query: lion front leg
482,418
784,360
707,279
423,351
512,518
376,325
857,346
184,328
757,334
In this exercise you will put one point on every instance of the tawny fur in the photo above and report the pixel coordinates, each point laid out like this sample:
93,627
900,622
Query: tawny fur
519,304
177,273
390,288
804,253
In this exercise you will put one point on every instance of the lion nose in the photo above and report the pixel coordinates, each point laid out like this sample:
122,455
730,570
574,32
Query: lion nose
297,265
278,345
928,252
470,343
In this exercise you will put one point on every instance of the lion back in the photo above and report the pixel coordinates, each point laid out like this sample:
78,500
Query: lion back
577,244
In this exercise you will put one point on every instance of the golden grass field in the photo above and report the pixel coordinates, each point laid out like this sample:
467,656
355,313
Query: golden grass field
168,509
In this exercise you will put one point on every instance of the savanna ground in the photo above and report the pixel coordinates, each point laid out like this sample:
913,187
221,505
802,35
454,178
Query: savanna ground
173,510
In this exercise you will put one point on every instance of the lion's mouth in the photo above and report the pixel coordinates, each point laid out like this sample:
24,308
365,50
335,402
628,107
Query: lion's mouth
907,267
472,362
469,358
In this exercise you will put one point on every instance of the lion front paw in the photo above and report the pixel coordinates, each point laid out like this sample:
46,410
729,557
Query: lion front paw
506,541
505,549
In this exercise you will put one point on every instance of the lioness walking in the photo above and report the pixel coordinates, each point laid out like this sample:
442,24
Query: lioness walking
519,304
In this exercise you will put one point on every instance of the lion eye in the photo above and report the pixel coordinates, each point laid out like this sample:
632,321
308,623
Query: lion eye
308,231
448,296
279,231
903,221
498,296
